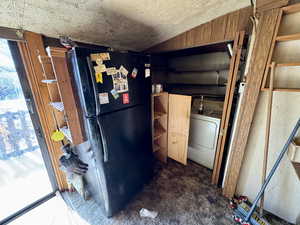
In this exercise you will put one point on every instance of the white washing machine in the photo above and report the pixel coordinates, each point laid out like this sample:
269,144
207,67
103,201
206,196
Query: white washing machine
203,139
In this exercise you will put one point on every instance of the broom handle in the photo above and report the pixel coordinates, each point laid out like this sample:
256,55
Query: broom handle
284,150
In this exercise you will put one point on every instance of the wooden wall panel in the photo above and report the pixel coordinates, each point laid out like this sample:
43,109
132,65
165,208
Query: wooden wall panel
30,50
218,26
244,20
198,35
264,38
232,25
220,29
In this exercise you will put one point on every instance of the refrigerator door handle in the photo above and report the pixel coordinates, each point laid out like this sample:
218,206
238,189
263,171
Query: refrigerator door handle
97,106
104,143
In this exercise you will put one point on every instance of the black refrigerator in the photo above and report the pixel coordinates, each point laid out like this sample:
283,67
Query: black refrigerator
115,96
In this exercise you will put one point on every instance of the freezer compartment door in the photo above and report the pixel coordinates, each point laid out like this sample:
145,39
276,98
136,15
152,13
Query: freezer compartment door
127,136
122,82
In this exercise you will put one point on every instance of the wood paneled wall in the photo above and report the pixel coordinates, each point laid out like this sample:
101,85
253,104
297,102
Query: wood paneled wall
221,29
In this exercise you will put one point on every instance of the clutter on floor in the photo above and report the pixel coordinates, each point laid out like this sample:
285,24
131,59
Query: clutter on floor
180,194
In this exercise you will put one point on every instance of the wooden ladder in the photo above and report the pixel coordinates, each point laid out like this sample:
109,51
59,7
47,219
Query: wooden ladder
286,31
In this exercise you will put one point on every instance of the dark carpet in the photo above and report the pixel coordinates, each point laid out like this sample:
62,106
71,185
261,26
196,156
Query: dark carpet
180,194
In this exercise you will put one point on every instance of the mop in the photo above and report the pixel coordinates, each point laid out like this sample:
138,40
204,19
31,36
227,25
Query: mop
246,215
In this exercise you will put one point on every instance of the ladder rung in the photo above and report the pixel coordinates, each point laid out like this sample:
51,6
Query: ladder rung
289,37
283,89
286,64
291,8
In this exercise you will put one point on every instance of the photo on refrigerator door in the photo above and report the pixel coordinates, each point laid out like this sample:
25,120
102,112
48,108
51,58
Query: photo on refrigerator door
120,82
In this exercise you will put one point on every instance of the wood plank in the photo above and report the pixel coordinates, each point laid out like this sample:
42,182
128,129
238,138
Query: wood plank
267,135
10,34
230,88
29,51
263,43
178,127
272,49
290,37
286,64
291,8
283,89
67,93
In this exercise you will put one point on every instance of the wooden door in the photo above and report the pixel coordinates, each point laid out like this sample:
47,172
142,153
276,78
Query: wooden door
230,88
178,127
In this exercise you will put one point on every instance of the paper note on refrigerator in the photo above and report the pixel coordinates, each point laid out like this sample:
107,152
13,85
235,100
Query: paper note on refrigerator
103,56
103,98
123,70
147,72
111,70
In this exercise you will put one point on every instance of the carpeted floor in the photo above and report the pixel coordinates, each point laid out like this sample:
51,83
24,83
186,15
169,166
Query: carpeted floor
180,194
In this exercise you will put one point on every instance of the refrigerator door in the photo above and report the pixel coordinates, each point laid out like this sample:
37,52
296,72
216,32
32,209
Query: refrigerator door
129,164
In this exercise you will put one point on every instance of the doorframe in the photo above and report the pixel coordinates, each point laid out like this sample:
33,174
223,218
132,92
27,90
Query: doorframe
16,56
20,69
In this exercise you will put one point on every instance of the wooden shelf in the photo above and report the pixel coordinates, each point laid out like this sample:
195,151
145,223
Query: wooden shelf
159,94
66,131
159,131
283,89
286,64
52,81
57,105
156,147
289,37
158,115
160,108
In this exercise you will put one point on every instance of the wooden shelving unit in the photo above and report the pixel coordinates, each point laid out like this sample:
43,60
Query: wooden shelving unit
62,95
160,104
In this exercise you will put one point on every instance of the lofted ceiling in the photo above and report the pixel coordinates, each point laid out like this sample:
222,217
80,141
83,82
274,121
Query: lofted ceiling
126,24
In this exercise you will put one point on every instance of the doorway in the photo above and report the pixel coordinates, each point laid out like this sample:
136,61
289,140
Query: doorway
26,175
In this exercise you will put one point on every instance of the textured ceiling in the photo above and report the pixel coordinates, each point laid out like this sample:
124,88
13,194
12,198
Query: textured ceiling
129,24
